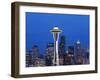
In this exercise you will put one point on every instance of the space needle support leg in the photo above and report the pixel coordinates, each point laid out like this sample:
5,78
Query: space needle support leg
57,55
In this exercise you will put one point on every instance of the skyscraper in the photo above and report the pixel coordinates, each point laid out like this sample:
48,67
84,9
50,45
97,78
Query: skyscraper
78,53
50,49
35,53
86,56
49,54
62,45
62,48
28,58
71,50
71,54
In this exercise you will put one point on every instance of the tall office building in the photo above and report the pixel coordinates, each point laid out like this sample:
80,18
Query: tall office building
86,59
62,48
69,56
39,62
78,53
35,53
49,54
50,49
28,58
71,50
62,45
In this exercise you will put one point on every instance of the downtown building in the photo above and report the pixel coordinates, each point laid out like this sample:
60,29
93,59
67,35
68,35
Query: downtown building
62,50
28,58
34,58
49,56
81,54
78,53
37,58
69,60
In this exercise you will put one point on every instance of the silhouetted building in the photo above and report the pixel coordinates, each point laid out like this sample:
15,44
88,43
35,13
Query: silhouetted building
78,53
68,58
62,48
35,53
39,62
71,50
87,53
62,45
28,58
50,49
49,54
71,54
61,59
48,61
86,59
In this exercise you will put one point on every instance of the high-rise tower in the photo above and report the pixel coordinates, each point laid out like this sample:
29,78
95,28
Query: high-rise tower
62,45
56,32
78,53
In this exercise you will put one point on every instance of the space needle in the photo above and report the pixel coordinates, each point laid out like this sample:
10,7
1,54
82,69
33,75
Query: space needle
56,32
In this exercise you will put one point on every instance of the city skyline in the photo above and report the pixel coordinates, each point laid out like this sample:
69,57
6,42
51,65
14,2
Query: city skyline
66,46
68,55
39,24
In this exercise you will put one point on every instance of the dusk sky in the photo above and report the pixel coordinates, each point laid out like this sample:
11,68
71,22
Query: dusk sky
38,26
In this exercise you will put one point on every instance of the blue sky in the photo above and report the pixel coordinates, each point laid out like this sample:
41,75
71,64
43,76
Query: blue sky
38,26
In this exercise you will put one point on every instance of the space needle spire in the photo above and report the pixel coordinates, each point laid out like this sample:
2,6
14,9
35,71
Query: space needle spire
56,32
